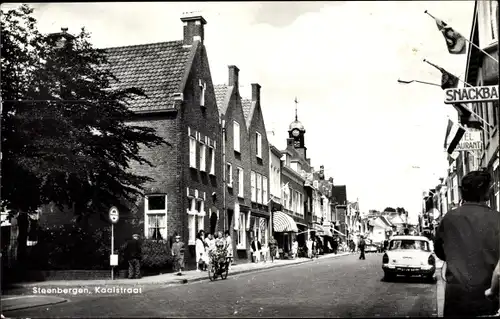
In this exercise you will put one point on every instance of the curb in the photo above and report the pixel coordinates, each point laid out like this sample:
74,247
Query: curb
18,307
185,281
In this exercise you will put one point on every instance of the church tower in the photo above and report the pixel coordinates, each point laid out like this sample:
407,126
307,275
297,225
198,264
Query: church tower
296,132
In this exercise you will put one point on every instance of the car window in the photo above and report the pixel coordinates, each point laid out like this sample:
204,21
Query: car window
409,244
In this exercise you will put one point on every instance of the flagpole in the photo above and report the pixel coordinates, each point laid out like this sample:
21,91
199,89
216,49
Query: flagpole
465,83
484,52
467,40
441,69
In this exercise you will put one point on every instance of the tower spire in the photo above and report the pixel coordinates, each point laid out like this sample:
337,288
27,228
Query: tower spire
296,102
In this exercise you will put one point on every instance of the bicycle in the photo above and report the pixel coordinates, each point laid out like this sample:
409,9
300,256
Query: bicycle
219,266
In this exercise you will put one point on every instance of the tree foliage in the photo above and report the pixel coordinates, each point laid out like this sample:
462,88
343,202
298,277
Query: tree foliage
67,134
389,209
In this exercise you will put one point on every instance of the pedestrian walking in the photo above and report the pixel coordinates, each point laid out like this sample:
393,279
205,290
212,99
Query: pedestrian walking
467,240
200,251
314,248
273,248
309,247
386,244
210,241
256,249
133,254
295,248
229,247
361,246
178,254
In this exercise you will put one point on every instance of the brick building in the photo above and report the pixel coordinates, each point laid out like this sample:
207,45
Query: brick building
186,194
258,222
236,156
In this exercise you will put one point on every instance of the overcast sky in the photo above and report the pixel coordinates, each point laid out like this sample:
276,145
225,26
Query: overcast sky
342,61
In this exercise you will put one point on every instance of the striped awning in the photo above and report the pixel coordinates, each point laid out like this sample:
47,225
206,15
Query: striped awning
318,229
282,223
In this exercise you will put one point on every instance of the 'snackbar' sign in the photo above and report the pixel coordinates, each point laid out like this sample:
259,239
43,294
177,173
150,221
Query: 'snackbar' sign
472,94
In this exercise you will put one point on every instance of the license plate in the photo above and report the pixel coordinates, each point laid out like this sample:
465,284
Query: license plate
407,269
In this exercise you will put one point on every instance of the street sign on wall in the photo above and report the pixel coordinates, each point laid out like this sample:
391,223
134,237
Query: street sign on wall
471,141
471,94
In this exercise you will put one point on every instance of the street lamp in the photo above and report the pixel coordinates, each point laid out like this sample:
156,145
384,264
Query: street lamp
417,81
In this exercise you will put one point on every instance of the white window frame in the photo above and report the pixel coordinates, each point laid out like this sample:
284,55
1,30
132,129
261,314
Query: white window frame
192,152
487,23
203,88
148,212
259,188
265,194
203,157
229,173
236,136
258,138
211,151
253,186
242,232
241,182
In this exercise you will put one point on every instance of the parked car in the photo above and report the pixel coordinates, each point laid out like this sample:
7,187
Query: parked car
372,247
409,256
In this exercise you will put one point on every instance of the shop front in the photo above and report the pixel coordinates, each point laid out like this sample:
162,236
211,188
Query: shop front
285,230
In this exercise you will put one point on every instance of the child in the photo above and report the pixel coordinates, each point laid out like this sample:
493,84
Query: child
178,253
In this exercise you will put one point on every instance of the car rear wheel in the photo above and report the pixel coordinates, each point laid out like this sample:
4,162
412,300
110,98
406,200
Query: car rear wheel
389,276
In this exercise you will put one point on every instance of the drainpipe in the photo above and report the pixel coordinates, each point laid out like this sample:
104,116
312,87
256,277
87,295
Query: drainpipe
223,128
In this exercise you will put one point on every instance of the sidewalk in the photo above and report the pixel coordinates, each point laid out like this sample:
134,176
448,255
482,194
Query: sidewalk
162,279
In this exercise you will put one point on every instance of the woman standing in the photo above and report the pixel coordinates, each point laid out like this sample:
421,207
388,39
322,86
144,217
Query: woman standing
200,251
229,247
295,248
273,248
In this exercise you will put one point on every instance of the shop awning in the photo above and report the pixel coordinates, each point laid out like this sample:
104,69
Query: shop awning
282,223
318,229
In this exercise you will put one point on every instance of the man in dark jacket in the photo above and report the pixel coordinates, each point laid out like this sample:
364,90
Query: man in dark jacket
133,253
467,240
361,246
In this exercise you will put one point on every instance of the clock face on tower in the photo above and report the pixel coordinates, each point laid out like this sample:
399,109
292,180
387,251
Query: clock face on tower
296,143
295,132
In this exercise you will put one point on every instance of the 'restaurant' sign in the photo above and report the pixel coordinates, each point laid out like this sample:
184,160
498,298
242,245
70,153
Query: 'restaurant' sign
471,141
471,94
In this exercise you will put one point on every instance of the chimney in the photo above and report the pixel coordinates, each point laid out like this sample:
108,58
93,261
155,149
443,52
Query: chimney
233,75
255,92
193,28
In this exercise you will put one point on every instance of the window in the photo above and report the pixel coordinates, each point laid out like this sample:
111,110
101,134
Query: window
241,181
264,190
211,158
192,152
258,144
192,229
229,175
236,136
201,222
203,88
203,159
487,22
252,181
156,217
259,188
290,194
241,244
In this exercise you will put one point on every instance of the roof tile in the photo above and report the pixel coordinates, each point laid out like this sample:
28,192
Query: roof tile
221,91
156,68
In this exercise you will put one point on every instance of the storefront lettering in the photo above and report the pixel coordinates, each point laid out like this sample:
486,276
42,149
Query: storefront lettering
471,94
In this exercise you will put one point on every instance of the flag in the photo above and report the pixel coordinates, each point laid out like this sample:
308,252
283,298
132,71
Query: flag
454,40
448,80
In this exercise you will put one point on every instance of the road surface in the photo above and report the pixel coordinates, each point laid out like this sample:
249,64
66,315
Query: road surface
329,287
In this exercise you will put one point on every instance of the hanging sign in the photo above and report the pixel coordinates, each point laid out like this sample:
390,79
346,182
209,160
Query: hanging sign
114,215
472,94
